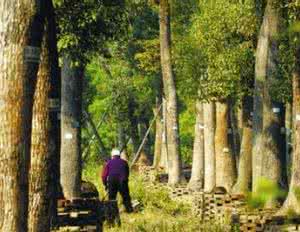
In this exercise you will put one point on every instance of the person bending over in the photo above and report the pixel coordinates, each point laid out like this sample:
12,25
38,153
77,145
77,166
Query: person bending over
115,179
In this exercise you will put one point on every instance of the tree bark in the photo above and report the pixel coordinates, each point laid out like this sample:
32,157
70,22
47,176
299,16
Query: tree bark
225,162
197,178
209,146
39,174
243,183
122,141
174,159
292,203
288,139
268,147
70,129
164,148
21,28
158,133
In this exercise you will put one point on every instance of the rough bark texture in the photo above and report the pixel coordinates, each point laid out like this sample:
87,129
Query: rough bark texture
21,27
174,161
39,174
292,203
225,162
209,146
158,133
197,178
164,147
243,183
70,168
268,144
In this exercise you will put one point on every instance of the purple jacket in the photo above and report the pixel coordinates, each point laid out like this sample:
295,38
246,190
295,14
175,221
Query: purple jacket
116,168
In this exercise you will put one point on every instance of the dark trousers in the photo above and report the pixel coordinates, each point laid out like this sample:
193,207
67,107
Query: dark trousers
115,186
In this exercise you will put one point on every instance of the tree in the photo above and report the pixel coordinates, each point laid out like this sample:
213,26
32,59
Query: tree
70,166
209,112
268,145
44,146
292,203
197,178
174,160
21,36
244,179
226,172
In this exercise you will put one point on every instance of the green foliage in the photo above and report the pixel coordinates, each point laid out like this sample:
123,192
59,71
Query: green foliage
266,191
224,33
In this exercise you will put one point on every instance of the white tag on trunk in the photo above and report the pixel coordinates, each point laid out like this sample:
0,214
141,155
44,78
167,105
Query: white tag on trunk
225,149
276,110
201,126
175,128
32,54
68,136
251,113
298,117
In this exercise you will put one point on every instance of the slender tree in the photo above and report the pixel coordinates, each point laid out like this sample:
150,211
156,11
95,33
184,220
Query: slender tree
158,133
226,171
21,26
244,179
70,165
197,178
209,146
174,160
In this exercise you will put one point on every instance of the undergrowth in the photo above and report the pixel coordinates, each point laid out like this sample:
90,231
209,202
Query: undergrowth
158,213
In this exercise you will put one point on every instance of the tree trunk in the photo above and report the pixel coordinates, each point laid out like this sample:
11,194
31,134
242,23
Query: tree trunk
209,146
268,147
197,178
21,26
158,133
235,138
292,203
164,148
225,162
174,159
39,174
243,183
70,129
144,157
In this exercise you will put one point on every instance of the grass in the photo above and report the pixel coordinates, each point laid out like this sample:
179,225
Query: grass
158,214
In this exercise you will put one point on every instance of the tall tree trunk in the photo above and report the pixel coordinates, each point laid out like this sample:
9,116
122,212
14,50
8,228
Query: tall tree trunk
21,26
225,162
292,203
243,183
209,113
164,148
268,147
174,159
70,168
158,133
197,178
39,174
234,130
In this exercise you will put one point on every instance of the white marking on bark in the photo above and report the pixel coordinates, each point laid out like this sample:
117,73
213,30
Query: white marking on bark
68,136
298,117
201,126
225,149
276,110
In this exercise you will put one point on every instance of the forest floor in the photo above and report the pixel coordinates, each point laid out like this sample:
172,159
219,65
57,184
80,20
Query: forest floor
158,213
